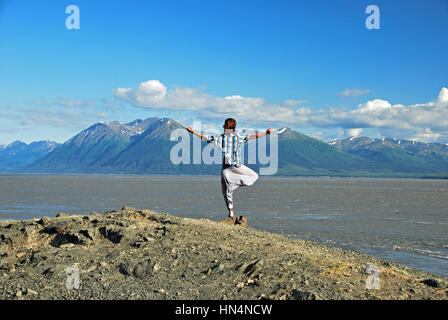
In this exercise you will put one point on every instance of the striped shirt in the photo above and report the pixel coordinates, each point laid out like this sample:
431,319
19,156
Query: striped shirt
230,145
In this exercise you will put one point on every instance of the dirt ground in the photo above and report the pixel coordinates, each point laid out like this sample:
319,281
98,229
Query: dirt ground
141,254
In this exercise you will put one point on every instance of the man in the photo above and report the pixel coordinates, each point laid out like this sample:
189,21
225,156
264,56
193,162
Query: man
233,174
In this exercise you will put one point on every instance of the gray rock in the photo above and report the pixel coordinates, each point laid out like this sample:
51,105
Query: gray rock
156,267
28,229
57,227
432,283
44,221
113,233
11,237
251,267
70,237
139,270
303,295
90,233
113,255
61,215
48,272
218,268
142,270
137,243
3,250
8,263
126,268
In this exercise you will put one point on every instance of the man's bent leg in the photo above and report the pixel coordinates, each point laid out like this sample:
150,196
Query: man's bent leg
244,176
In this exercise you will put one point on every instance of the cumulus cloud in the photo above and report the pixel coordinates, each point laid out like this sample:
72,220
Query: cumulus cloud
294,103
443,96
355,132
426,135
419,121
154,95
424,122
354,92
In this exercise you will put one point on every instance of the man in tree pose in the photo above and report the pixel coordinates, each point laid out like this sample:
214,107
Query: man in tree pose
233,174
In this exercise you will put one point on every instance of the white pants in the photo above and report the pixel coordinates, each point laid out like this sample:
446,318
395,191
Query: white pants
233,177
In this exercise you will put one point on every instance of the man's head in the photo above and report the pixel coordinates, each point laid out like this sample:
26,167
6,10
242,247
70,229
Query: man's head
229,124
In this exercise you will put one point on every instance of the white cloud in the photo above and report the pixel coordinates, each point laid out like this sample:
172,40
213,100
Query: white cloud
376,105
66,102
421,121
426,135
294,103
354,92
355,132
154,95
443,96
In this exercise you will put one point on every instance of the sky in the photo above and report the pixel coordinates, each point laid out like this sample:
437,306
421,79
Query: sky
312,66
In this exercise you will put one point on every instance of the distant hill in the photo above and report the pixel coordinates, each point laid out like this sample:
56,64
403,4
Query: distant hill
19,154
143,146
398,155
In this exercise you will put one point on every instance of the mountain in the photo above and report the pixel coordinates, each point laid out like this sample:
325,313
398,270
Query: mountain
19,154
89,150
398,155
303,155
150,153
144,146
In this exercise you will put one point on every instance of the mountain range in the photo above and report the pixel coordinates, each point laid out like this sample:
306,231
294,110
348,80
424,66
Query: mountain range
398,155
19,154
143,147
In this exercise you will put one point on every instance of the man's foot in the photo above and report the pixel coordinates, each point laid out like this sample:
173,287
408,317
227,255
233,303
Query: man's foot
241,220
231,215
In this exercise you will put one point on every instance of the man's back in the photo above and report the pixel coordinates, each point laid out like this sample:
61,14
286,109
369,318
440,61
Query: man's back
230,144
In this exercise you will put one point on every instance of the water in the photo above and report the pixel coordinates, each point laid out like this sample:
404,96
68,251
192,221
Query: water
403,220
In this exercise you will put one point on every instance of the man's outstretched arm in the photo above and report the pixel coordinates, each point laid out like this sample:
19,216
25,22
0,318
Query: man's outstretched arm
190,129
261,134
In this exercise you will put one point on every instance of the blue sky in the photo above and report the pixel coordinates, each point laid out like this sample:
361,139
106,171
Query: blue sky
309,65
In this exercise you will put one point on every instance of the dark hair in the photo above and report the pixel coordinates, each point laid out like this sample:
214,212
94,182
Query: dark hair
230,123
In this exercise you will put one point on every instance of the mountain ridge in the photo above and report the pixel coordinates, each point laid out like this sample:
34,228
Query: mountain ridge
18,154
143,147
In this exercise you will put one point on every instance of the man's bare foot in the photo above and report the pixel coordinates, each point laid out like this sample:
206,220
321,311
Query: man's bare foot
231,215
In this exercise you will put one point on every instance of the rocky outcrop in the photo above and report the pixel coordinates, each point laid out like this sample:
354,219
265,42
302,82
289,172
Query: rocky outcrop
141,254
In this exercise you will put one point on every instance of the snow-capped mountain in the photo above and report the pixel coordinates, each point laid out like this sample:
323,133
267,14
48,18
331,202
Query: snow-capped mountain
18,153
354,144
98,146
144,146
398,154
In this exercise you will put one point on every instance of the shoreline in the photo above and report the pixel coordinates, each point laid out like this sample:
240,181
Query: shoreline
141,254
316,176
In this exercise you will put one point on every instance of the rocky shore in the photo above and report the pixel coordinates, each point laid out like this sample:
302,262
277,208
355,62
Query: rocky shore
141,254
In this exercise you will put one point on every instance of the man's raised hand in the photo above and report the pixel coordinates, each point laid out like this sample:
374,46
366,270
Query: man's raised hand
190,129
